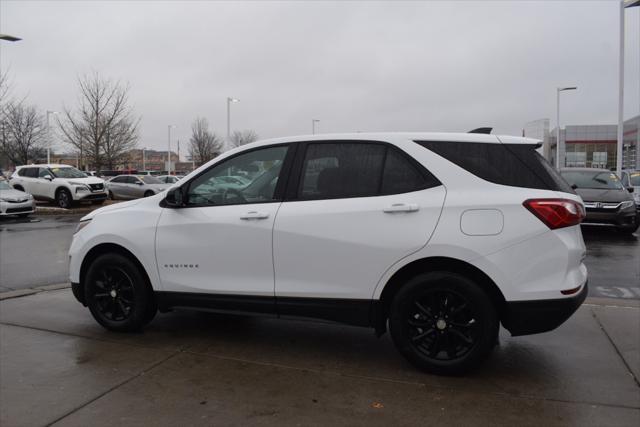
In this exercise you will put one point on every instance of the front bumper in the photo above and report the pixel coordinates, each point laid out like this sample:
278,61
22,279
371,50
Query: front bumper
11,208
90,196
534,317
626,217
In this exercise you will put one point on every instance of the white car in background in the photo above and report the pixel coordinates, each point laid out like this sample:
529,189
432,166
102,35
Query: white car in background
62,184
15,202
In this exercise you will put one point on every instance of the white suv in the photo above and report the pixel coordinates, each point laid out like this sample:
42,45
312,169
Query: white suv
439,237
62,184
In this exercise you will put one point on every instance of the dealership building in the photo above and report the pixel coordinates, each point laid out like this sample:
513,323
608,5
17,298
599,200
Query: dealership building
589,145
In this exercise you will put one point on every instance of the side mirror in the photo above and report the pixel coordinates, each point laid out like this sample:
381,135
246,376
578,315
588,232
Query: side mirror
139,183
174,198
573,186
630,189
48,177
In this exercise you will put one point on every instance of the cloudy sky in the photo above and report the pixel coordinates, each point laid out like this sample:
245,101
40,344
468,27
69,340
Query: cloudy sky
355,66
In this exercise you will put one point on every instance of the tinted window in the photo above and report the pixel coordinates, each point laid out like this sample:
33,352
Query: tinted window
516,165
131,179
118,179
43,172
68,172
337,170
260,170
148,179
29,172
401,176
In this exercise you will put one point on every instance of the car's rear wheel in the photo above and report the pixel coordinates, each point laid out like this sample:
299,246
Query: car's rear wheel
64,199
118,295
148,193
443,323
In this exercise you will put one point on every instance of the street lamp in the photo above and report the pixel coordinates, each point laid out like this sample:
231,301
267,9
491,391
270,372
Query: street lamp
313,125
558,90
623,5
169,148
144,163
229,101
49,112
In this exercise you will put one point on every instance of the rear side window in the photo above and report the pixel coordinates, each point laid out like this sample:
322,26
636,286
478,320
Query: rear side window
359,169
515,165
29,172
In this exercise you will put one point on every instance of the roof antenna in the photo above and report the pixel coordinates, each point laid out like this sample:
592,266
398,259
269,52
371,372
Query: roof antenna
486,131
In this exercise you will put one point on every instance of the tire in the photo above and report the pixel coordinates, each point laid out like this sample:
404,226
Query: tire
111,196
149,193
24,215
443,323
64,199
118,295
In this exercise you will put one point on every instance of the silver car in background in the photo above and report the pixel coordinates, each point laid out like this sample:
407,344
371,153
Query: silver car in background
15,202
134,186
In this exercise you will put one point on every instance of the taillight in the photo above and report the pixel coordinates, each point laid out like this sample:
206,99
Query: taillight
556,213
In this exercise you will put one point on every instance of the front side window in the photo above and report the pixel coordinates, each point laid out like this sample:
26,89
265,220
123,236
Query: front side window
43,172
634,179
148,179
67,172
118,180
250,177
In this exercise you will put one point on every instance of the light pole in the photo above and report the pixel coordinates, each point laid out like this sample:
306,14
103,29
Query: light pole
229,101
558,90
144,163
623,5
169,148
49,112
313,125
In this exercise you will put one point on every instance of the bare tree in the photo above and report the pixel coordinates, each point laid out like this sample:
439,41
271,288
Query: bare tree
104,127
204,145
23,133
239,138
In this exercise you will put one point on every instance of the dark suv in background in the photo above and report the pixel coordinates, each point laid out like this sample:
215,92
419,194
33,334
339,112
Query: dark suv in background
606,200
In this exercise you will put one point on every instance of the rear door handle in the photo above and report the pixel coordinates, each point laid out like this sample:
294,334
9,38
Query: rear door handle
254,215
401,207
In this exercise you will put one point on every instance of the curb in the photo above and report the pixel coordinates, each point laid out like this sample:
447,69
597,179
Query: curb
31,291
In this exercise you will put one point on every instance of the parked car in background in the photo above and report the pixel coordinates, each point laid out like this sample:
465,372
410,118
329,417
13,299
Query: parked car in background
631,178
170,179
606,200
436,236
15,202
134,186
62,184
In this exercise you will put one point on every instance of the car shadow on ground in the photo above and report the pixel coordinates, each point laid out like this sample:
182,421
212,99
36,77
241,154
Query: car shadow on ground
604,233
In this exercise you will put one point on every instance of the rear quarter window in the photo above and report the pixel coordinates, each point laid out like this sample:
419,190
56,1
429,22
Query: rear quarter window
515,165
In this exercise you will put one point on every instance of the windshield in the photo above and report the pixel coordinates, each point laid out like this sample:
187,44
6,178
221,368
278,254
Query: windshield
601,180
635,179
148,179
4,185
67,173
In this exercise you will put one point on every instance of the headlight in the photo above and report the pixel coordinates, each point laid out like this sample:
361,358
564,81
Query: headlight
82,225
626,204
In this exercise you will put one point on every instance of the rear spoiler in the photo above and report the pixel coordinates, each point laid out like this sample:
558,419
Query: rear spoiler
486,131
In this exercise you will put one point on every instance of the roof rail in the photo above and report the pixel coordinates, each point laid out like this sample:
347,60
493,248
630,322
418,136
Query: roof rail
481,130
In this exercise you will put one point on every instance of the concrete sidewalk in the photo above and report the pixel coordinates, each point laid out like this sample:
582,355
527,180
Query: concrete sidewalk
57,366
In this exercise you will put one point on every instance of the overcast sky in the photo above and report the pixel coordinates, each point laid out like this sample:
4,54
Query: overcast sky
355,66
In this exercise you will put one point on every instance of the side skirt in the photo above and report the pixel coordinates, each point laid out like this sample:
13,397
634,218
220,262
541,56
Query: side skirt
356,312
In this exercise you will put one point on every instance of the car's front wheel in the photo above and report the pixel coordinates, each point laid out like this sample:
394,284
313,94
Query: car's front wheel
148,193
64,199
118,295
443,323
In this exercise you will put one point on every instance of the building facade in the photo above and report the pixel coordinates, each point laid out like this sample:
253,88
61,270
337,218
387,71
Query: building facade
595,146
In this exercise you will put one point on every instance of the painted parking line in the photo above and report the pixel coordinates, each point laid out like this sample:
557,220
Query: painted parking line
618,291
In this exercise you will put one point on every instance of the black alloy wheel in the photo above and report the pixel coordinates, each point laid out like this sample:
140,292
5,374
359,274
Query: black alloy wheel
443,323
118,295
64,199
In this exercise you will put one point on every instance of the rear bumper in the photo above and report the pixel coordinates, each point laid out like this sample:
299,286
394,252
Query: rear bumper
534,317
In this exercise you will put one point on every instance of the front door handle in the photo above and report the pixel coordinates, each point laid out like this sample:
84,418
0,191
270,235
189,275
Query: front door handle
254,215
401,207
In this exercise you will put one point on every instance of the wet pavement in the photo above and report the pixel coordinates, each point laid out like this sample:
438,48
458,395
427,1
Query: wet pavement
34,253
59,367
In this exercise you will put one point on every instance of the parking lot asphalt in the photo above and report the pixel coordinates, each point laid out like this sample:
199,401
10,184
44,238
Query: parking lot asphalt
33,252
59,367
